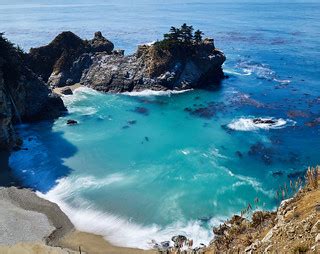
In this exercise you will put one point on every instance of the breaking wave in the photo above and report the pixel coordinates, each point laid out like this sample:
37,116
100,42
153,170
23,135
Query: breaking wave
155,93
118,230
252,124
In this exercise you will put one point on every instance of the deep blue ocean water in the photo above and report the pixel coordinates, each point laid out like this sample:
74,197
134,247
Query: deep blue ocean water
187,160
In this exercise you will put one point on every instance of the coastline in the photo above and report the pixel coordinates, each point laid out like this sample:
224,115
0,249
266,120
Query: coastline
31,224
36,225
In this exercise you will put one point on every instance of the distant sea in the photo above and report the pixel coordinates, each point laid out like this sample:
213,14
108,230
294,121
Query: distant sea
186,161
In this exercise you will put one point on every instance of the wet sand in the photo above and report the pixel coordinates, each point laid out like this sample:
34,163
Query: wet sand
95,244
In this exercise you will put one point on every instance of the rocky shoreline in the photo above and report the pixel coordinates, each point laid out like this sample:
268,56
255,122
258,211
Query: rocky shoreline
35,225
27,79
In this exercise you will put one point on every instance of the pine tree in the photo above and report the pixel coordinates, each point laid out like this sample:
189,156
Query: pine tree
186,33
198,36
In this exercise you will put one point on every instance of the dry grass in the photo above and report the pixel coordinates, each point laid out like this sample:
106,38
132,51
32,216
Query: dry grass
313,177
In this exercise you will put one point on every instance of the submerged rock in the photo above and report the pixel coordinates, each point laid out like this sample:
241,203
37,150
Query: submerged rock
72,122
141,110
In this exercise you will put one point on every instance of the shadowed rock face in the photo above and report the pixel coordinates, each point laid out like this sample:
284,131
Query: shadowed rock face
61,62
68,60
23,97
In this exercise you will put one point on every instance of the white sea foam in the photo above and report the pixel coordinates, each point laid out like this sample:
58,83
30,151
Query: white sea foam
155,93
245,180
232,72
247,124
119,231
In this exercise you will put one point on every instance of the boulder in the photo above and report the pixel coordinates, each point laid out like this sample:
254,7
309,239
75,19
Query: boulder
66,91
72,122
264,121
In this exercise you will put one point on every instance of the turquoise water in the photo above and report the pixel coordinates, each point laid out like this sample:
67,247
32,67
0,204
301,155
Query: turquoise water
147,166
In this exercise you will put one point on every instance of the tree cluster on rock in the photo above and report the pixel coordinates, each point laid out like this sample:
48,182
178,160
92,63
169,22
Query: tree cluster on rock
183,36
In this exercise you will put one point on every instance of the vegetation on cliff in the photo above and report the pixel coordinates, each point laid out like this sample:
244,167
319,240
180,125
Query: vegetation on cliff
180,37
23,96
293,228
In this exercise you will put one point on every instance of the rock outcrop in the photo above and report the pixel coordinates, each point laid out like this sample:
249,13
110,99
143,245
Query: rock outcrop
68,60
23,96
155,68
293,228
62,61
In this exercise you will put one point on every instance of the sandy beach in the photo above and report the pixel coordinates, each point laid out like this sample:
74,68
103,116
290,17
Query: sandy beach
30,224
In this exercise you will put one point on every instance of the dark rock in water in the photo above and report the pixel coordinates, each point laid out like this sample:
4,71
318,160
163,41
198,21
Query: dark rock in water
151,101
146,139
296,174
72,122
259,150
205,112
66,91
277,173
205,219
313,123
293,158
165,244
263,121
141,110
125,127
208,111
298,113
131,122
239,154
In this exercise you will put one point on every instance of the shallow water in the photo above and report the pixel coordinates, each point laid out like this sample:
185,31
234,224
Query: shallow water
149,166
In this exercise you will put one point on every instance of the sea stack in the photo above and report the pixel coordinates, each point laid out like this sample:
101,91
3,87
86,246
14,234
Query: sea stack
169,64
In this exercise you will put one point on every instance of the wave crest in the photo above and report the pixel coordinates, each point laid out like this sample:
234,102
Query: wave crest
251,124
149,92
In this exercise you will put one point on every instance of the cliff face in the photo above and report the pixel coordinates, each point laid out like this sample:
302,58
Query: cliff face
157,69
23,97
7,134
68,60
60,62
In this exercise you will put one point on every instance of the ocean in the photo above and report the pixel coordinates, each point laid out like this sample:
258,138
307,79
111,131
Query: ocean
142,167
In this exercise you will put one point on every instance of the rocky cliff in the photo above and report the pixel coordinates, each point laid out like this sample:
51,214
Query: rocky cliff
155,68
62,61
293,228
68,60
23,96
